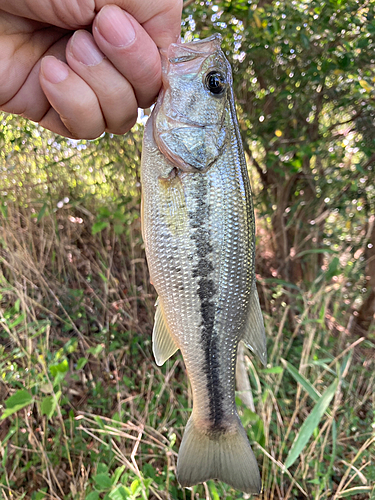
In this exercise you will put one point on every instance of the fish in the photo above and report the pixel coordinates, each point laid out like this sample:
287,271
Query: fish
198,228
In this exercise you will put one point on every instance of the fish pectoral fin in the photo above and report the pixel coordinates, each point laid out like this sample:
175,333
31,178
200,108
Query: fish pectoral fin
163,345
254,335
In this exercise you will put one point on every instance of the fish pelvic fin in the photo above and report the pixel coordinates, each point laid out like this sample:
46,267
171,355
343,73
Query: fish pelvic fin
254,336
163,345
223,455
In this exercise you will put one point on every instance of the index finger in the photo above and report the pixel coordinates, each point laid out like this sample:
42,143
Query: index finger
160,18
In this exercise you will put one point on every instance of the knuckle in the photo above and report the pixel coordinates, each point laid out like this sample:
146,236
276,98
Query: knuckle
7,87
149,73
75,14
83,126
148,84
147,100
131,122
118,94
124,127
78,134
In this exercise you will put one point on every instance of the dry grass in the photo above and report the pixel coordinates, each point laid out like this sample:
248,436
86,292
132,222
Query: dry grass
76,313
66,292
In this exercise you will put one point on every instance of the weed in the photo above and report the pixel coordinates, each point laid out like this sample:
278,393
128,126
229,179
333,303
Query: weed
86,413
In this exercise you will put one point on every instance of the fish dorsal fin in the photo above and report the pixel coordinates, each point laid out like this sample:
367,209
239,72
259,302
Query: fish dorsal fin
255,336
163,345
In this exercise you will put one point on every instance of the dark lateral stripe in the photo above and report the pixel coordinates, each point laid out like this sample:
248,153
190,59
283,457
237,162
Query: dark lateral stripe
206,291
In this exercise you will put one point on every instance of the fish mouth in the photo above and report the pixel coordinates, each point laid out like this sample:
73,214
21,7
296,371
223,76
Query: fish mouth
189,55
183,52
182,121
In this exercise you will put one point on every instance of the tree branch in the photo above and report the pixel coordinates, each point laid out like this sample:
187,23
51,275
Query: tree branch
262,175
345,122
370,160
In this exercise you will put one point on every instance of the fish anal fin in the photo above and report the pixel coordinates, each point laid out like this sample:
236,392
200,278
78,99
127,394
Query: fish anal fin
226,456
254,336
163,345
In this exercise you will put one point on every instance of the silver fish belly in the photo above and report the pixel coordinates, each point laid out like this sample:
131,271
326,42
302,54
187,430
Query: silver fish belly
199,232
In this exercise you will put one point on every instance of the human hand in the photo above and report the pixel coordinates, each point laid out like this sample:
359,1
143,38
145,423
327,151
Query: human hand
82,67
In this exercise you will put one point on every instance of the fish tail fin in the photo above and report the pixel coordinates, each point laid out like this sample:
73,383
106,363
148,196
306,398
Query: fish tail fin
223,455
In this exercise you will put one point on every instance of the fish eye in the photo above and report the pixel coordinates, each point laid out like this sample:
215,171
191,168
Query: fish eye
215,82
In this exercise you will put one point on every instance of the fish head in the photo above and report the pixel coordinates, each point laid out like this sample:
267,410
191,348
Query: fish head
193,108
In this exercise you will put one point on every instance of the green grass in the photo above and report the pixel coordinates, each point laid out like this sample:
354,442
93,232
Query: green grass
89,415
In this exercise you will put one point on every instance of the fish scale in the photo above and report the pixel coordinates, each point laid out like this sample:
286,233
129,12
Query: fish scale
199,233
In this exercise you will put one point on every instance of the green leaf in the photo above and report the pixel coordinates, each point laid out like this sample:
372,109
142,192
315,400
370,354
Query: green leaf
95,350
40,495
4,210
316,480
333,269
149,471
315,250
103,481
172,440
305,41
42,212
249,417
119,493
49,404
101,468
81,363
71,346
119,228
16,402
310,424
312,392
99,226
62,367
17,321
274,369
104,278
212,489
94,495
333,454
116,476
100,423
258,433
135,486
104,212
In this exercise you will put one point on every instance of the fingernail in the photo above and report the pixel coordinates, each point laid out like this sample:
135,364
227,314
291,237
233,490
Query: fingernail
54,70
115,26
83,48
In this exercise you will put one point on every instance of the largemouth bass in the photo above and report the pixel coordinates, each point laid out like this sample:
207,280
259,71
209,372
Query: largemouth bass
199,233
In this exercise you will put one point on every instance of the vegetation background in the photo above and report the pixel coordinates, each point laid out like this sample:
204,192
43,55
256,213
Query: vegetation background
86,413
